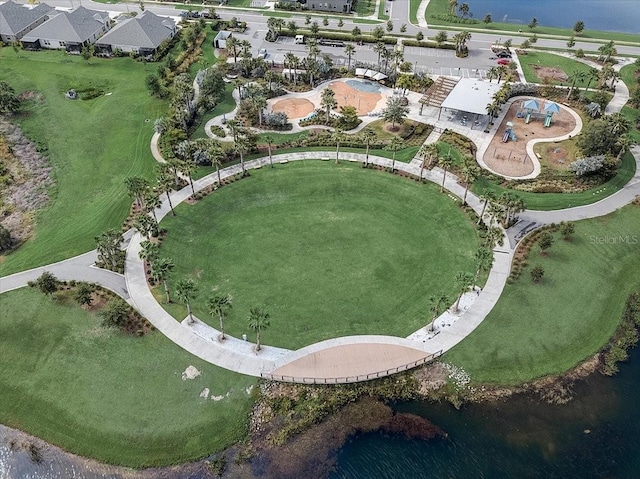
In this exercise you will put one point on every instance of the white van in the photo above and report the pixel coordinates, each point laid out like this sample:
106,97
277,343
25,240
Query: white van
299,39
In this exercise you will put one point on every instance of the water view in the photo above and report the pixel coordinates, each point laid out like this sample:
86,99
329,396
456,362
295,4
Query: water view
610,15
597,435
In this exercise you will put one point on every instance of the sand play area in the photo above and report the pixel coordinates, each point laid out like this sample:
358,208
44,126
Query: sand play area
366,97
510,158
294,107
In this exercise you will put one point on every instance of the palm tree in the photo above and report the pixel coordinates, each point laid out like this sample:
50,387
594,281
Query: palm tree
216,155
144,224
469,175
592,74
269,141
494,236
453,7
151,203
487,196
165,185
395,144
219,305
328,101
349,50
463,281
368,135
379,48
493,110
241,147
484,261
423,153
576,76
160,271
149,252
445,162
492,73
137,186
186,290
258,320
436,305
187,167
232,44
292,27
337,138
461,40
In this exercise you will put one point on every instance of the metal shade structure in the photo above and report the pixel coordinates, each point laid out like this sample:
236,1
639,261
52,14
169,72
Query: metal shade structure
552,108
531,105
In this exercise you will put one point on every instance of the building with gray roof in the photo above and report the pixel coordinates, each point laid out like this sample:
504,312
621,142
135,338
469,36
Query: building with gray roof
140,35
18,20
69,30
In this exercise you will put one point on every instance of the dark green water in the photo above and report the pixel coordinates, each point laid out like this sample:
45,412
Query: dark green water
516,438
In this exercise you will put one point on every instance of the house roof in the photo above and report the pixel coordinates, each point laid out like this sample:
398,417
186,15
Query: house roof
145,31
76,26
14,17
471,95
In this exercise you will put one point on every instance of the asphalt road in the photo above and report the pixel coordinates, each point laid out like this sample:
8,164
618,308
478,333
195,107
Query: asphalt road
399,11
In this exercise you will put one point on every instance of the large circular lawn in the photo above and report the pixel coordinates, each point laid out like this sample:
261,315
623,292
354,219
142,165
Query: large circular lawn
327,250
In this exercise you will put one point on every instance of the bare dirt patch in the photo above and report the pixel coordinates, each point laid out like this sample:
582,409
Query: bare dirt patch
510,158
25,177
294,108
555,74
364,102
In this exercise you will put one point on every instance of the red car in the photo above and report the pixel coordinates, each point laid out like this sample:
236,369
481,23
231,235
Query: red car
504,61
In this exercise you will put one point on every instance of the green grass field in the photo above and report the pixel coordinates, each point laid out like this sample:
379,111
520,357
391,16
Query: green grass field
568,65
328,250
364,8
101,394
92,145
225,105
557,201
537,330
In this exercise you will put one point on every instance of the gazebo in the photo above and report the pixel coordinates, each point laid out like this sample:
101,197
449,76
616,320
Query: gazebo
470,96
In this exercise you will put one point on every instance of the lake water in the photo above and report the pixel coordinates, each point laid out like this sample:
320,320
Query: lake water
597,435
610,15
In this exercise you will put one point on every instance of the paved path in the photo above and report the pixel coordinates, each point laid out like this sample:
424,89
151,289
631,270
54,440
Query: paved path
79,268
322,363
529,220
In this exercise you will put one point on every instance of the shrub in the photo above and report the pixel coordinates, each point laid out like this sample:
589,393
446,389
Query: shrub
537,273
585,166
115,314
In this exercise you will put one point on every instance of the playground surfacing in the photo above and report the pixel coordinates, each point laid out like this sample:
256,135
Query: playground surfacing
365,96
511,158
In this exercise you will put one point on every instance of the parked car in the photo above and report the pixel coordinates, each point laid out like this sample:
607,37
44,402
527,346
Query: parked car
262,53
503,55
504,61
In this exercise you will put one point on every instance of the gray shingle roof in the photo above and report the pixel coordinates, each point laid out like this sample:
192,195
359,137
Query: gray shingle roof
14,17
144,31
76,26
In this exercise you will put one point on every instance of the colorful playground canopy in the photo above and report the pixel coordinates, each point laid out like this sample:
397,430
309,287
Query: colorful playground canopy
552,108
531,105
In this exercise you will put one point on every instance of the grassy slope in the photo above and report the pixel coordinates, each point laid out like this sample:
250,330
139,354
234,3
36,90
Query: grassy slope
556,201
537,330
104,395
329,250
92,145
568,65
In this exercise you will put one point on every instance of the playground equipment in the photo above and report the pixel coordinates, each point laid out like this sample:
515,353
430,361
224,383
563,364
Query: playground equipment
531,106
509,134
550,109
528,118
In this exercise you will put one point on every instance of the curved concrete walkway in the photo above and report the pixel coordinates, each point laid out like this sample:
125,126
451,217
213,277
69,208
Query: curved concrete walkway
323,360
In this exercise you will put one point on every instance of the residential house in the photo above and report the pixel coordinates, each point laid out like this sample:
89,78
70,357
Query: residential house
69,30
336,6
140,35
17,20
